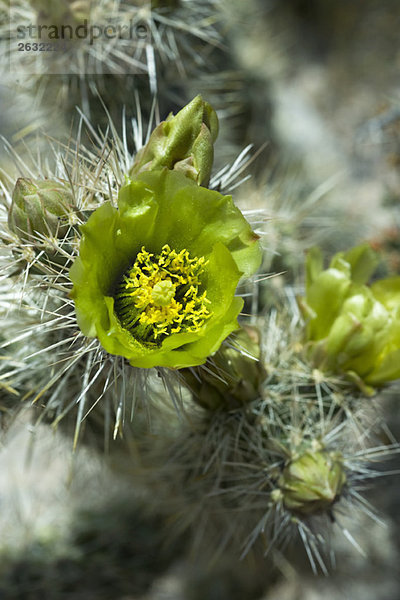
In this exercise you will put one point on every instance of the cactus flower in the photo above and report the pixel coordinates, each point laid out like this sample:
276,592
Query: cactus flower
352,327
155,279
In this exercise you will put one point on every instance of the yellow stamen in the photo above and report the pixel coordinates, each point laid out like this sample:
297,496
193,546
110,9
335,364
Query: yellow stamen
159,295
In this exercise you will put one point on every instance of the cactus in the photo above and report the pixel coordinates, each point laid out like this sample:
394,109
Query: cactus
245,411
246,421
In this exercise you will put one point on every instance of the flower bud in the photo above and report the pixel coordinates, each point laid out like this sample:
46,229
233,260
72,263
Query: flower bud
183,142
312,482
40,207
234,375
352,328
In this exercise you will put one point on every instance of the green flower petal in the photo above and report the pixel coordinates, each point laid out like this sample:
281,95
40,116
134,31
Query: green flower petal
192,216
314,266
388,370
362,261
387,291
324,303
158,209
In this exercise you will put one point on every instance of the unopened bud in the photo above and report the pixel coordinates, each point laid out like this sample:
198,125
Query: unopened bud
233,377
313,482
41,207
183,142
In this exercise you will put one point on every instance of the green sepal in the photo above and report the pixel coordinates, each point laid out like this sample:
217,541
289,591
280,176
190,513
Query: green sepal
387,291
321,301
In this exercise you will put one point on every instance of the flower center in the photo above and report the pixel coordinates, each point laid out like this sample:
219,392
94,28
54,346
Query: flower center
163,293
159,295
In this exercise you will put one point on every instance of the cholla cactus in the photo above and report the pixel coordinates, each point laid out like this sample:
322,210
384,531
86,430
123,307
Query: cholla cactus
172,308
282,466
105,49
145,271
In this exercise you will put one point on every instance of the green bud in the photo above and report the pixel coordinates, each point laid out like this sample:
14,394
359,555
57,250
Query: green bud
232,378
312,483
40,207
183,142
352,328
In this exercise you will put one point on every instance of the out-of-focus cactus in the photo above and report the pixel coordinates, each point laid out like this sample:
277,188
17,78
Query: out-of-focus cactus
387,243
183,142
56,12
164,3
351,327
